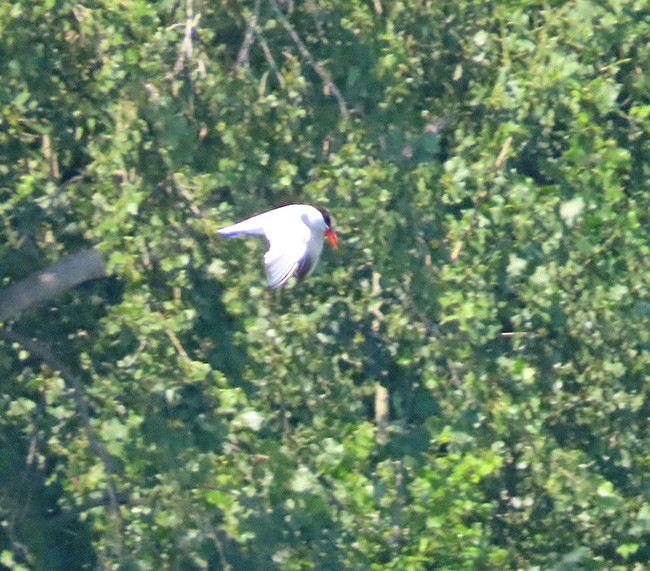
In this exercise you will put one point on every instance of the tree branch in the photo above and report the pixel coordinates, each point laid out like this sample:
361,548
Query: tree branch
45,354
269,59
319,69
249,37
51,282
187,48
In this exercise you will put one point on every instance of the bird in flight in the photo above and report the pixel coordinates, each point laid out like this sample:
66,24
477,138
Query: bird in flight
295,234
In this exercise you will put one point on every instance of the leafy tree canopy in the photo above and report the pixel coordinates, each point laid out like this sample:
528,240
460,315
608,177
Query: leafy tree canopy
462,385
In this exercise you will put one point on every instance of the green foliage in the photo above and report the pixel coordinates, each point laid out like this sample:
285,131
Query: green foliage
460,386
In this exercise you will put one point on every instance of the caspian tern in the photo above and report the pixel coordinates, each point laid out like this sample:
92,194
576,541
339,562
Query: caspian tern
295,235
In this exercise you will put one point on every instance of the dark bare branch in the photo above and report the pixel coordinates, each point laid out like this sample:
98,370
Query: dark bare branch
51,282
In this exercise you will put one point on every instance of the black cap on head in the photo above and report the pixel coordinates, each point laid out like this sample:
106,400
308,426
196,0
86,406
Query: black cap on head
326,216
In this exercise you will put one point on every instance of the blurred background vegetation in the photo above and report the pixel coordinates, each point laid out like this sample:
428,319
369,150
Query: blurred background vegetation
462,385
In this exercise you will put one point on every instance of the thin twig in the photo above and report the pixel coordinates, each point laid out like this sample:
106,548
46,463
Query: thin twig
187,47
177,344
381,412
319,69
190,22
269,58
456,251
504,152
50,157
249,38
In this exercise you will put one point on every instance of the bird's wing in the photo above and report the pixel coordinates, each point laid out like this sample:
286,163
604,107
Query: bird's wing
251,226
313,249
306,265
288,249
283,260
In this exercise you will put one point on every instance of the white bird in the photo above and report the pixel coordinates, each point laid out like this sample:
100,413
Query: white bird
295,235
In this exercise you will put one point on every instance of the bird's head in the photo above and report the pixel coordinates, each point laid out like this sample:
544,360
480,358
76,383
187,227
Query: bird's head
329,231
